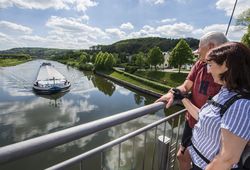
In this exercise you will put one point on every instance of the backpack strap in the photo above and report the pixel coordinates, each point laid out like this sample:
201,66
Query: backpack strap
200,154
227,104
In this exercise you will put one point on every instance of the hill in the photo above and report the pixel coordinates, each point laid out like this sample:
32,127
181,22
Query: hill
37,52
132,46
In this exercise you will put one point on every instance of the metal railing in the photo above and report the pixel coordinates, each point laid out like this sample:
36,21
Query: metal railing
163,154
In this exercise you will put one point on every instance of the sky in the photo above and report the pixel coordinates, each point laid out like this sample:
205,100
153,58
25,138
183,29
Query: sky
80,24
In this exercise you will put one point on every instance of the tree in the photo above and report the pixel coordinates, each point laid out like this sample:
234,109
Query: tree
109,61
83,59
244,20
155,56
140,61
181,54
104,61
98,60
133,59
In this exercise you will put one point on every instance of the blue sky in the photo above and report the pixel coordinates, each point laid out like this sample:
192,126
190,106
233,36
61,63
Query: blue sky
79,24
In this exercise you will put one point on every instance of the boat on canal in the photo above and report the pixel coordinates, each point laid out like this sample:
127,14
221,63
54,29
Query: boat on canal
50,81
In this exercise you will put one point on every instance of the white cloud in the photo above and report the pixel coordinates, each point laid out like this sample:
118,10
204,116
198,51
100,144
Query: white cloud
146,31
7,42
168,20
79,5
82,5
84,18
5,3
175,30
156,2
116,32
234,33
74,27
33,38
159,1
72,33
183,1
14,27
127,26
227,6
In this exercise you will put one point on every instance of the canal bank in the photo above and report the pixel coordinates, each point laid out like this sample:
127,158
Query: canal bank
137,83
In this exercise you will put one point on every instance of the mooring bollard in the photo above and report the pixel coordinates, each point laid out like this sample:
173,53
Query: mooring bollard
162,154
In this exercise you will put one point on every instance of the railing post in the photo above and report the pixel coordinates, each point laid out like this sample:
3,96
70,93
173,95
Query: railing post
163,145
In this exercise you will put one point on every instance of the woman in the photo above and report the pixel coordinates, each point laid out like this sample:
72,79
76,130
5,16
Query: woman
222,140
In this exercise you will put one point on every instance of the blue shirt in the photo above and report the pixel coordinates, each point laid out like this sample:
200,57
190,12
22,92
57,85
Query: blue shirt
207,132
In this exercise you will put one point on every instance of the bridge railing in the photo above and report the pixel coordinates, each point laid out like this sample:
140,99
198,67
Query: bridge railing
161,155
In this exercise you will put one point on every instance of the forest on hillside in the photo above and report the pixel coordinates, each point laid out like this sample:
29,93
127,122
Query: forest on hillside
133,46
122,48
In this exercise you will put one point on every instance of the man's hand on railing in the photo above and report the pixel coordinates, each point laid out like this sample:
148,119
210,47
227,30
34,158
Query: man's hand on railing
167,98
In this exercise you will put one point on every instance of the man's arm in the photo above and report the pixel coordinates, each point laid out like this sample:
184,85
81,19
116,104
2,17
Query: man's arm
186,86
232,148
169,97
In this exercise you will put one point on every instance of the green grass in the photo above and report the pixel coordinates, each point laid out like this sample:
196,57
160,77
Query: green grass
135,82
167,78
11,62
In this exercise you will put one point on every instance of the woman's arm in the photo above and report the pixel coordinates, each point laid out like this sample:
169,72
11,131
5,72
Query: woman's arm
232,147
192,109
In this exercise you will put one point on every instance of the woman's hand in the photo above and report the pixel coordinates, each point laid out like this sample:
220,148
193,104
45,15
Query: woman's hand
191,108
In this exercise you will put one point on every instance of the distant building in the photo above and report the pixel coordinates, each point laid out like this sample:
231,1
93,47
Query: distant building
166,56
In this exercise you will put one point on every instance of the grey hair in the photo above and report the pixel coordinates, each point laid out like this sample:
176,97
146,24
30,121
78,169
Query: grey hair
217,38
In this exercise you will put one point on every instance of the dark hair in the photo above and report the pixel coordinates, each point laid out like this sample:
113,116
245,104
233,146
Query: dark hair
237,58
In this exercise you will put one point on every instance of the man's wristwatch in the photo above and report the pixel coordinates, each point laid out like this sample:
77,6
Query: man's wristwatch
177,94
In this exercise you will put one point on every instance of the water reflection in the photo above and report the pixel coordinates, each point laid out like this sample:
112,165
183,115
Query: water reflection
54,99
24,115
103,85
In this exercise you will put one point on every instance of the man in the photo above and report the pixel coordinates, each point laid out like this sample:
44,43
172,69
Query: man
202,86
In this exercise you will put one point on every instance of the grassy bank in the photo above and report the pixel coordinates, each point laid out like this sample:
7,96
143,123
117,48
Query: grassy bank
11,62
155,81
167,78
136,82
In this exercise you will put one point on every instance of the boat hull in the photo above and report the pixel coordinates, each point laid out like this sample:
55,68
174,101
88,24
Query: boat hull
50,90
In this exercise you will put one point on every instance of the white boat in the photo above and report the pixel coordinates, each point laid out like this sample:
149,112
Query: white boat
50,81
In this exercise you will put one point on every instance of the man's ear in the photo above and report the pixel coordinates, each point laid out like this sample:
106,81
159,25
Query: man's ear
211,45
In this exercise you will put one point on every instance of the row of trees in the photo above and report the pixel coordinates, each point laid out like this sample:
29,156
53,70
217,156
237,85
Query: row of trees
16,56
180,55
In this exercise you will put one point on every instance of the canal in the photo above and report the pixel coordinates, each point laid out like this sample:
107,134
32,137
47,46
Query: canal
25,115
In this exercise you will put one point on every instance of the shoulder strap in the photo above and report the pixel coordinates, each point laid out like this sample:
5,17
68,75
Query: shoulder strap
200,155
227,104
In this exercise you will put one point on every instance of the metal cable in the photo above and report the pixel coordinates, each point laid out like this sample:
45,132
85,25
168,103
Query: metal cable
231,17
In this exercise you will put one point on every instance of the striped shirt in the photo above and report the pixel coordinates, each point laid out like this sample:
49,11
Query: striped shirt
207,134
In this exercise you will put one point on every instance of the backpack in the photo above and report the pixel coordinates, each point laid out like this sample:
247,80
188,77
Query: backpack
244,163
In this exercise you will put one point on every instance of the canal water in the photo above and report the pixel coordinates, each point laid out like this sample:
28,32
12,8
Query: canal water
25,115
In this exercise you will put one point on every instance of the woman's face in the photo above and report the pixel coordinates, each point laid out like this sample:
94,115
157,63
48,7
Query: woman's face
216,70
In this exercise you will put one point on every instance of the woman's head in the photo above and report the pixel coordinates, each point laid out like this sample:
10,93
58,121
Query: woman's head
229,65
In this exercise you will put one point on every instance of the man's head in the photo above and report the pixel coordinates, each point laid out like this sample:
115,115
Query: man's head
208,41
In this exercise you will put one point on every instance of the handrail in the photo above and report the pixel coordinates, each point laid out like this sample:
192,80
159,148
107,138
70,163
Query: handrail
80,157
21,149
